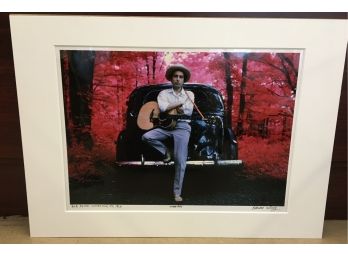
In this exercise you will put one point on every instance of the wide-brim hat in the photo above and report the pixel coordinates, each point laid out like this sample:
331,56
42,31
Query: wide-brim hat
178,67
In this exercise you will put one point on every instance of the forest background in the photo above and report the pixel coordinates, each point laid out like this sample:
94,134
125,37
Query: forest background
258,88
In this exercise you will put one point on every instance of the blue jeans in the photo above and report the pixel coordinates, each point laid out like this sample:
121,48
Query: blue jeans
181,136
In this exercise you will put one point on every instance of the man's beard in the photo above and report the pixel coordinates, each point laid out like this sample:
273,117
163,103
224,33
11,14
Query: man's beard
177,86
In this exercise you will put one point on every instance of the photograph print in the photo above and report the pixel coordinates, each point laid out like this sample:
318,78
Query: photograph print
191,128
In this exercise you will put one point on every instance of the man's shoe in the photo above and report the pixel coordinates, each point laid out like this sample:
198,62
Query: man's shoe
178,198
167,158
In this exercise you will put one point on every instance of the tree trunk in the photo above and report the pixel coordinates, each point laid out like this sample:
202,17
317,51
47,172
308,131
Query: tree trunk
240,125
81,69
136,74
229,88
154,59
263,128
287,71
147,70
64,62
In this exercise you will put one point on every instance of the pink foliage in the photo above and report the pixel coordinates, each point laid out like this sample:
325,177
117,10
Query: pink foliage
264,156
82,163
270,86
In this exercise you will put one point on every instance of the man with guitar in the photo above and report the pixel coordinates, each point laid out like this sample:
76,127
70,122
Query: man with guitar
178,102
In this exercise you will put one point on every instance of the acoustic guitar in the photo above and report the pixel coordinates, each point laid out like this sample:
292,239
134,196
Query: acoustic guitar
150,117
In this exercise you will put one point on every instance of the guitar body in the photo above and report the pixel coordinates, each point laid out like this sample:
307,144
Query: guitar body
150,117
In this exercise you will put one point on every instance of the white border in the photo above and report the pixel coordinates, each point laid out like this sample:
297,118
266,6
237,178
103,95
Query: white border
34,44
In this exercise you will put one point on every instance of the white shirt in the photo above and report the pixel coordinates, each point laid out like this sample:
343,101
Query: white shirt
168,96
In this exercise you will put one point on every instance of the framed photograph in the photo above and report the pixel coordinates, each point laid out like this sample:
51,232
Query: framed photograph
177,127
106,98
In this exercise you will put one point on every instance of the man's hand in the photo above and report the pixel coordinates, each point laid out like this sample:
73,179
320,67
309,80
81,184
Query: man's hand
174,106
180,110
